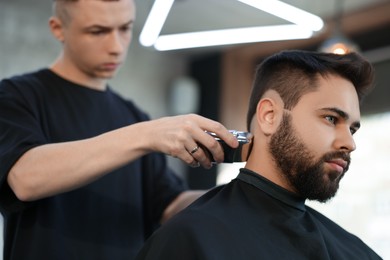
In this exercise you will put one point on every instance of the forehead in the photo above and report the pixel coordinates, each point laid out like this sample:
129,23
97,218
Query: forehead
107,13
333,91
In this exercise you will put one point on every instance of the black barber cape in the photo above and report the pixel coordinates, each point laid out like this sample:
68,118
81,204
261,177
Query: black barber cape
253,218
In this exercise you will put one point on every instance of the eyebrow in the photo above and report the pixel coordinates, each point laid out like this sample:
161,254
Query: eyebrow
107,28
342,114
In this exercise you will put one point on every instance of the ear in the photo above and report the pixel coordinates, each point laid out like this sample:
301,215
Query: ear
56,28
268,115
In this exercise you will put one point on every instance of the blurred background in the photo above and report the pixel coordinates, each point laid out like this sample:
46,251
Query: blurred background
215,81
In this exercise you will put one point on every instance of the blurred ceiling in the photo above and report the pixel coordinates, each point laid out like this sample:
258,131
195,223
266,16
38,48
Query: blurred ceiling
201,15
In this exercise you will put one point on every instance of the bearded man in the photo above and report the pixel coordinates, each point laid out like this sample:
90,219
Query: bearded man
303,112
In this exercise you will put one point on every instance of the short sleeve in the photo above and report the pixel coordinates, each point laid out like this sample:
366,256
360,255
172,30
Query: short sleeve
19,132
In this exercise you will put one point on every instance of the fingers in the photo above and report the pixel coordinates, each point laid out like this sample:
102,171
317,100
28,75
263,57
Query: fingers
219,130
196,157
195,163
212,148
208,150
196,148
185,137
201,157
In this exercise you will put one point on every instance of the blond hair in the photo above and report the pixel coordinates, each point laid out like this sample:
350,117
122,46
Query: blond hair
61,10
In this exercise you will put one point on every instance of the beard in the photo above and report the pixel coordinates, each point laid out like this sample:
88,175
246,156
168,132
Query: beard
298,165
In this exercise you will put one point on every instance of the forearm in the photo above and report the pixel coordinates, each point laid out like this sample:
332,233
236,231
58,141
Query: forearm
55,168
180,203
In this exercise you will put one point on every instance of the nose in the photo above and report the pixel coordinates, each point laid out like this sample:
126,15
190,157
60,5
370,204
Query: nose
116,44
344,140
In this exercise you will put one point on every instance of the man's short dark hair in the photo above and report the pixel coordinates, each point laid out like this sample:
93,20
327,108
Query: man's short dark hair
294,73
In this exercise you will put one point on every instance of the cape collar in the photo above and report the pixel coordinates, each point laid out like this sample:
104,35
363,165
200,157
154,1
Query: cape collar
272,189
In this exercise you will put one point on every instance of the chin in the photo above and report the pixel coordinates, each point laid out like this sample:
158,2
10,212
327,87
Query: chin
335,176
105,76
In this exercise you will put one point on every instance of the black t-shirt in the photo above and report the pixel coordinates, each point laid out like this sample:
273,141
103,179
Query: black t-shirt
107,219
252,218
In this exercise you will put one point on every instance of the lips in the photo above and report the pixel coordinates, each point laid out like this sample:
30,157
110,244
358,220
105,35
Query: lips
340,164
111,66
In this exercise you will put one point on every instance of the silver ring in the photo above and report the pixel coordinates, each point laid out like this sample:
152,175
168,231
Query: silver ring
194,150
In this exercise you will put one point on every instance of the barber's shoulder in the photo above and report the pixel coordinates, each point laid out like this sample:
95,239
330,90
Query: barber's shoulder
26,87
23,79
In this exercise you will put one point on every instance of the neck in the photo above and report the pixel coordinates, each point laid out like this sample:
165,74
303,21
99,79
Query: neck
69,72
262,163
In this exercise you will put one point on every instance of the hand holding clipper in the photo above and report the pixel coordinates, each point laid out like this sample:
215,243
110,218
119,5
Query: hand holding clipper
239,154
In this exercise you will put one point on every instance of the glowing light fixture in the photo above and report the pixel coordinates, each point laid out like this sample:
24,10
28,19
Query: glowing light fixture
304,24
155,21
338,43
288,12
231,36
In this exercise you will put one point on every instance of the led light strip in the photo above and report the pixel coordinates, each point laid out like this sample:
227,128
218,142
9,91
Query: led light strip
155,21
231,36
288,12
304,25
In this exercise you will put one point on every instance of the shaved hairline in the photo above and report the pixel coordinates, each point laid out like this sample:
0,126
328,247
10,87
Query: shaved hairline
61,10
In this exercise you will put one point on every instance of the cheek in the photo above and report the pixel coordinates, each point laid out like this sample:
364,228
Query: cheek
86,52
314,137
126,41
79,47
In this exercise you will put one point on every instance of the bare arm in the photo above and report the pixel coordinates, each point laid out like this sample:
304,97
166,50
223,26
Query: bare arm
55,168
181,202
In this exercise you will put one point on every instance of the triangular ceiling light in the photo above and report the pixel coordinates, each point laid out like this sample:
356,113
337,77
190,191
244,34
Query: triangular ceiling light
303,27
